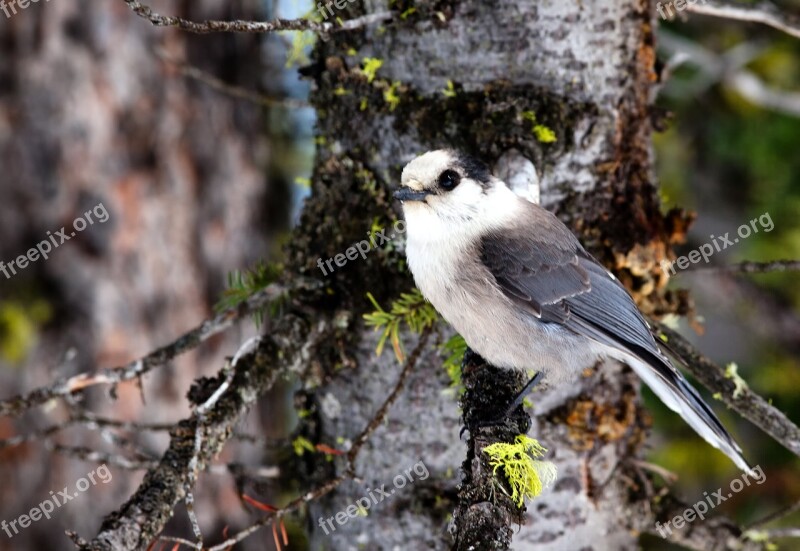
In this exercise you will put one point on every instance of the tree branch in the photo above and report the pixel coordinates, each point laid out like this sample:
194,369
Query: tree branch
483,514
114,375
765,13
747,403
223,87
223,401
239,26
349,472
750,267
711,534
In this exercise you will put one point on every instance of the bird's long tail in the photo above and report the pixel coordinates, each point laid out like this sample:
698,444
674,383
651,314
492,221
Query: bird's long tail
675,391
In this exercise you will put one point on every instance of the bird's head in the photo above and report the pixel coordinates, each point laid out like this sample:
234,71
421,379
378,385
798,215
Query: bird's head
445,191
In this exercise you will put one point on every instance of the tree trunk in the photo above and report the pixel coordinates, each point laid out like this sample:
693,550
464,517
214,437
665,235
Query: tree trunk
483,77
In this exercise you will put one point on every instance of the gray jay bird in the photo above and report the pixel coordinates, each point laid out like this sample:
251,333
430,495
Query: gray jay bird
518,286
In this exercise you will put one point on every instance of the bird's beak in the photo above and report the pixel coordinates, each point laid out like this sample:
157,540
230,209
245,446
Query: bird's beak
408,194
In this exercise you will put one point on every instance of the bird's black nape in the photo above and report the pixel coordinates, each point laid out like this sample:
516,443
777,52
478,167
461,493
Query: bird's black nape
473,168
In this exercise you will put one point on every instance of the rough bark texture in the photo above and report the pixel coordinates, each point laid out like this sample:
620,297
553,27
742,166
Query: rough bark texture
584,71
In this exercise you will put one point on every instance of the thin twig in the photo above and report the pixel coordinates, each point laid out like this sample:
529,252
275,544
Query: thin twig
772,517
199,75
776,533
750,267
104,458
759,93
765,13
137,368
240,26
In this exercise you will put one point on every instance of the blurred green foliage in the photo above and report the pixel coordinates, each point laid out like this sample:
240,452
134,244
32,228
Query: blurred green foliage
19,328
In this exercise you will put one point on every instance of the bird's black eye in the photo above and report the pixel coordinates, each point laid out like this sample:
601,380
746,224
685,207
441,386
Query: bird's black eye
449,179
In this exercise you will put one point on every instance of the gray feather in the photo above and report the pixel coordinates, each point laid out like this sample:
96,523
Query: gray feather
563,284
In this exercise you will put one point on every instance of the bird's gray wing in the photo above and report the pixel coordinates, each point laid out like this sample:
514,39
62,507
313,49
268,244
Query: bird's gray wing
543,268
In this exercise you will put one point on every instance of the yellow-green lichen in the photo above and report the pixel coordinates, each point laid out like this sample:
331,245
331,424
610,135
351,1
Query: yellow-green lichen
19,328
732,373
371,66
542,133
525,473
390,96
449,91
301,445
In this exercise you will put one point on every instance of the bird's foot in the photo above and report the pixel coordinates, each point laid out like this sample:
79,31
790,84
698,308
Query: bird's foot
508,417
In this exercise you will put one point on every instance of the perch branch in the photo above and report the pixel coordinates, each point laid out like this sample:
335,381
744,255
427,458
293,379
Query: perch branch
747,403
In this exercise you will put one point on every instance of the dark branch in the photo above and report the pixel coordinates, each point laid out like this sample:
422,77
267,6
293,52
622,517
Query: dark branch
482,513
239,26
744,401
114,375
750,267
352,454
144,515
